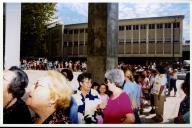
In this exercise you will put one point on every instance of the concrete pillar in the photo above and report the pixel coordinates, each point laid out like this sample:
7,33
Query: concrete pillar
12,34
102,39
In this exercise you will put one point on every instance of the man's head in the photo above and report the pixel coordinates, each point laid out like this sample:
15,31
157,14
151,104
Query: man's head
14,82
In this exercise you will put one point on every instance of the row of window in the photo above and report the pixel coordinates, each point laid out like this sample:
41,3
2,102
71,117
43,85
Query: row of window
127,27
76,31
144,41
151,26
120,42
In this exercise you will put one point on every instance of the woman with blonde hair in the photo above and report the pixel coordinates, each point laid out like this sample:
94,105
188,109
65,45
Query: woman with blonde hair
50,98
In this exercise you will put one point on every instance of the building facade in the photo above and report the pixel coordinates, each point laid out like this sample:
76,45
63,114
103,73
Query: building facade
141,39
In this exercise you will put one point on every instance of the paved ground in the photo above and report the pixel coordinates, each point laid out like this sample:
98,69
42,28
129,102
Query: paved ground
171,105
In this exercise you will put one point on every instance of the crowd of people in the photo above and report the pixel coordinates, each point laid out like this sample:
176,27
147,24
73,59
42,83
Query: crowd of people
120,98
45,64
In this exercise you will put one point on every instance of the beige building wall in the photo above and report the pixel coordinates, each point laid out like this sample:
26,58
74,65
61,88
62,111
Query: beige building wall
143,37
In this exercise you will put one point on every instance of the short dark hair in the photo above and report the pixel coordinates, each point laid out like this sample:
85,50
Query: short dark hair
83,76
68,74
19,83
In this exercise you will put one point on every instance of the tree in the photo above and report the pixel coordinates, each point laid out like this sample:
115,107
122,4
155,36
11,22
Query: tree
34,18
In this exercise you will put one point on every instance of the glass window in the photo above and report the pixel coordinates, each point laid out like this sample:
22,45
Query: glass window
135,27
65,43
151,26
81,30
75,43
70,43
128,27
81,43
65,31
86,30
167,25
176,25
70,31
143,26
76,31
159,26
121,28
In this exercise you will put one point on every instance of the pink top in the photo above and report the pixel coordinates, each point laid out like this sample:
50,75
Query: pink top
117,109
104,98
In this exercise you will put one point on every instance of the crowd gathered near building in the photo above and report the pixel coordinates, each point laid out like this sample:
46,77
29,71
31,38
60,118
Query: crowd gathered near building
120,98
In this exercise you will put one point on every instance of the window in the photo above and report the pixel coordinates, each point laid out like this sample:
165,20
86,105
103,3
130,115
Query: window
128,41
75,43
167,25
86,30
143,40
121,28
65,31
151,26
159,26
70,44
128,27
65,43
70,31
76,31
143,26
151,41
81,30
121,41
81,43
176,25
135,27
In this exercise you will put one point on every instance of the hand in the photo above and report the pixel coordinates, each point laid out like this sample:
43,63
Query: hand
101,106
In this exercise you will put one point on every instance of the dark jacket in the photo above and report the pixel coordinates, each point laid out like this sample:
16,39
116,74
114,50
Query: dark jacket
18,113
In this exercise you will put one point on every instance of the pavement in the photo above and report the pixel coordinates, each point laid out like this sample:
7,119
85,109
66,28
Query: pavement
171,105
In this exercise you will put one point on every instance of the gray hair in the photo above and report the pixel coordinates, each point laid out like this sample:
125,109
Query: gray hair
115,76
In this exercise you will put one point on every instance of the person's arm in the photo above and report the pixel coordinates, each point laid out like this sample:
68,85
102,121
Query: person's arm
129,119
161,90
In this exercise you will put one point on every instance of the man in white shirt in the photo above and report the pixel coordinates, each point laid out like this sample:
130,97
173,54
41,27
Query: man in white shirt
159,93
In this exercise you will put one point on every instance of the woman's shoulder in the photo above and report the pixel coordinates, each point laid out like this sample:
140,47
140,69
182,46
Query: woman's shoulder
124,95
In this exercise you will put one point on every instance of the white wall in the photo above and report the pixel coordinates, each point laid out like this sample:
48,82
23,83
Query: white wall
12,34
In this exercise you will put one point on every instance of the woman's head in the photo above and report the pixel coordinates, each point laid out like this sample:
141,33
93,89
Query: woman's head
128,75
102,88
115,76
14,81
68,74
52,90
85,81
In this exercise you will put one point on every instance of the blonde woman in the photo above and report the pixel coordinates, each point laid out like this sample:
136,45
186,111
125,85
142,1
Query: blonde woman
49,98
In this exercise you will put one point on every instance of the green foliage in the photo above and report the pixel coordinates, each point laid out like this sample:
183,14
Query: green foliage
34,18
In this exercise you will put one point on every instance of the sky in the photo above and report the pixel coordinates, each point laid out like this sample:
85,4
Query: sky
71,13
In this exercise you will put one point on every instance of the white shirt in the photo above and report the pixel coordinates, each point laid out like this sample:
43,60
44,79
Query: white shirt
160,80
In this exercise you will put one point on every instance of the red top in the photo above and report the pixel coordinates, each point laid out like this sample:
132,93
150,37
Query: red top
117,109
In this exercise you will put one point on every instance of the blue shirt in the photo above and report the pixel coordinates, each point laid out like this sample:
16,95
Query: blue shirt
131,89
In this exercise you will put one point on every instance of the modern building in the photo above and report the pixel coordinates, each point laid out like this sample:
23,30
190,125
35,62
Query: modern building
140,40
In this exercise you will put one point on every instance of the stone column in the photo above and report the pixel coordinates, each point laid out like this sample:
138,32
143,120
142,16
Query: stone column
12,34
102,39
